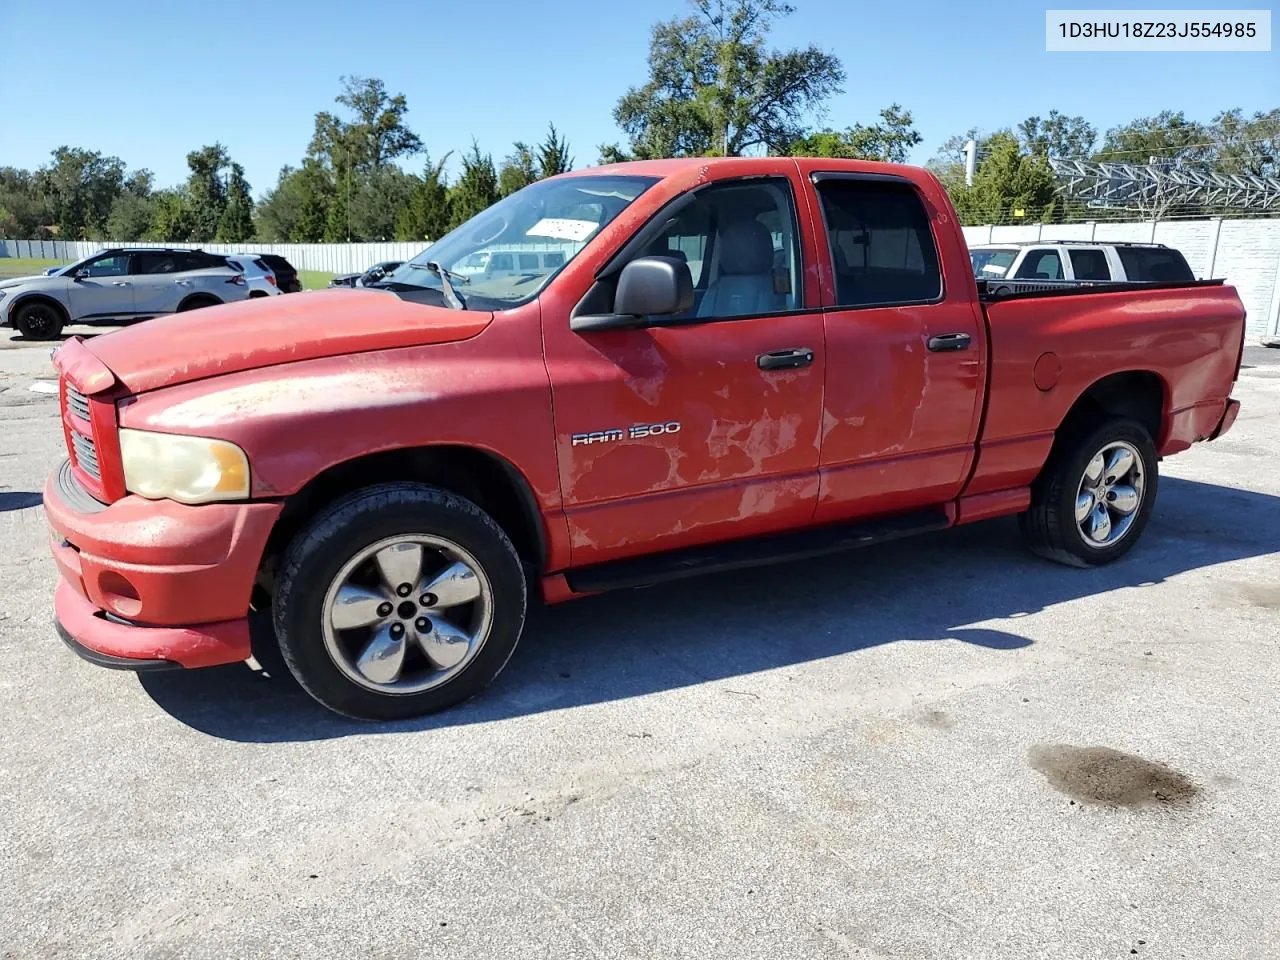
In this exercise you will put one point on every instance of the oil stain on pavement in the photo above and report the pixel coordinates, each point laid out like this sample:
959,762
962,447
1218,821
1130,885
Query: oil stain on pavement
1100,775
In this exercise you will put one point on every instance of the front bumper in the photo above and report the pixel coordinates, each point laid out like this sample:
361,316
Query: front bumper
144,582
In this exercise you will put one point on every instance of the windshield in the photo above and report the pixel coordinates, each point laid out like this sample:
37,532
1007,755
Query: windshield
504,255
989,264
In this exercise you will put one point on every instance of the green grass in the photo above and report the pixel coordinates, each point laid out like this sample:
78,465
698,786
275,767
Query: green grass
25,266
311,279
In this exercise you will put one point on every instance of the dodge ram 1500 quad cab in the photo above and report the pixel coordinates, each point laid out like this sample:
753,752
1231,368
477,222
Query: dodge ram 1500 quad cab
735,361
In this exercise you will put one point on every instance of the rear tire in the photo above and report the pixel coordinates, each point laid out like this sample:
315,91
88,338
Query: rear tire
1094,497
38,321
397,601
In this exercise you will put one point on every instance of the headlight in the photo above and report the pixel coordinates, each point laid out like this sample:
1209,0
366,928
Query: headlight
187,469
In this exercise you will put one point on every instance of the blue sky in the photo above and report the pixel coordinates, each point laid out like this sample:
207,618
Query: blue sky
149,81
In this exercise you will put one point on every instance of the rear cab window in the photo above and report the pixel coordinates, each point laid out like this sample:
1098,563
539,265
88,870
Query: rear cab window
882,247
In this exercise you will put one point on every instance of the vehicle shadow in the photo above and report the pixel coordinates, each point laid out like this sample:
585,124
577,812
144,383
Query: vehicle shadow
632,643
18,500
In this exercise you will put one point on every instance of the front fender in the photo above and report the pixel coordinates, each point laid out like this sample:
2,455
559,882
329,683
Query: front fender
296,420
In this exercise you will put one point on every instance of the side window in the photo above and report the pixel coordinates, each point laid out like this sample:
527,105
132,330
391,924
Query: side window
551,261
882,247
528,261
1154,263
1089,264
116,265
742,247
183,262
501,261
1041,265
155,263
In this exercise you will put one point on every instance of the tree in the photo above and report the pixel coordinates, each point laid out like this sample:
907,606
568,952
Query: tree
378,201
206,193
236,223
1168,137
296,210
1247,145
519,169
172,220
131,216
1057,136
714,88
79,187
476,189
377,135
1008,180
23,213
553,154
890,140
426,216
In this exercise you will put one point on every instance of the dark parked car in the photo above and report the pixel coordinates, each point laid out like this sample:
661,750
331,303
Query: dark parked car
286,275
372,275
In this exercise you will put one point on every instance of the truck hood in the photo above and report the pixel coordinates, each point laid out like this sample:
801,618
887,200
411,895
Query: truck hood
268,331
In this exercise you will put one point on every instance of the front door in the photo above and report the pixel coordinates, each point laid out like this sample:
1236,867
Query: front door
708,426
103,288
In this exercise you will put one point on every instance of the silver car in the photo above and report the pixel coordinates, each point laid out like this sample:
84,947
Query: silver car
119,285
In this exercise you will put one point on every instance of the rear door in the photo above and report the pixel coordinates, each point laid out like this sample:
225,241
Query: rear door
906,347
103,288
157,281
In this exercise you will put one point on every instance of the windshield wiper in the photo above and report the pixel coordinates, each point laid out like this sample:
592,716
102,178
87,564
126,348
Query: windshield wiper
446,282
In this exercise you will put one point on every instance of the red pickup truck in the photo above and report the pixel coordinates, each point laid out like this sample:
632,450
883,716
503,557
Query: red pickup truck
611,378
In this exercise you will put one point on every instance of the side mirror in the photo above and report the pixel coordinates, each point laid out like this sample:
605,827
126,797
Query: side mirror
82,273
647,287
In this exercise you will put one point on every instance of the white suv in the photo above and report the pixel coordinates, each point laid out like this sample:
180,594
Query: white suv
119,284
1079,260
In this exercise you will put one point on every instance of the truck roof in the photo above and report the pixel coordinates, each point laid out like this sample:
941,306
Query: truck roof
673,165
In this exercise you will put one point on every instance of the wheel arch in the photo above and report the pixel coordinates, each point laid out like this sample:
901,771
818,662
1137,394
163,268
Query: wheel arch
1140,395
485,478
36,296
204,299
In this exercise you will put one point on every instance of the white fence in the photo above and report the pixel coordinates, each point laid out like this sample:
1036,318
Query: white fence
1244,252
328,257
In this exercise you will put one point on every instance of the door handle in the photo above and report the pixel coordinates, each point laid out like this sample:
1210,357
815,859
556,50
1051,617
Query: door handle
119,283
785,359
182,283
949,342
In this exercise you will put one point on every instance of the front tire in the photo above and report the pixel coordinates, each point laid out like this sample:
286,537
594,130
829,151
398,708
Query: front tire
38,321
397,601
1093,500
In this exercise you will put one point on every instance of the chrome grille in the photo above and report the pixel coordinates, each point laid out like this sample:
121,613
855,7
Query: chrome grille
77,403
86,454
